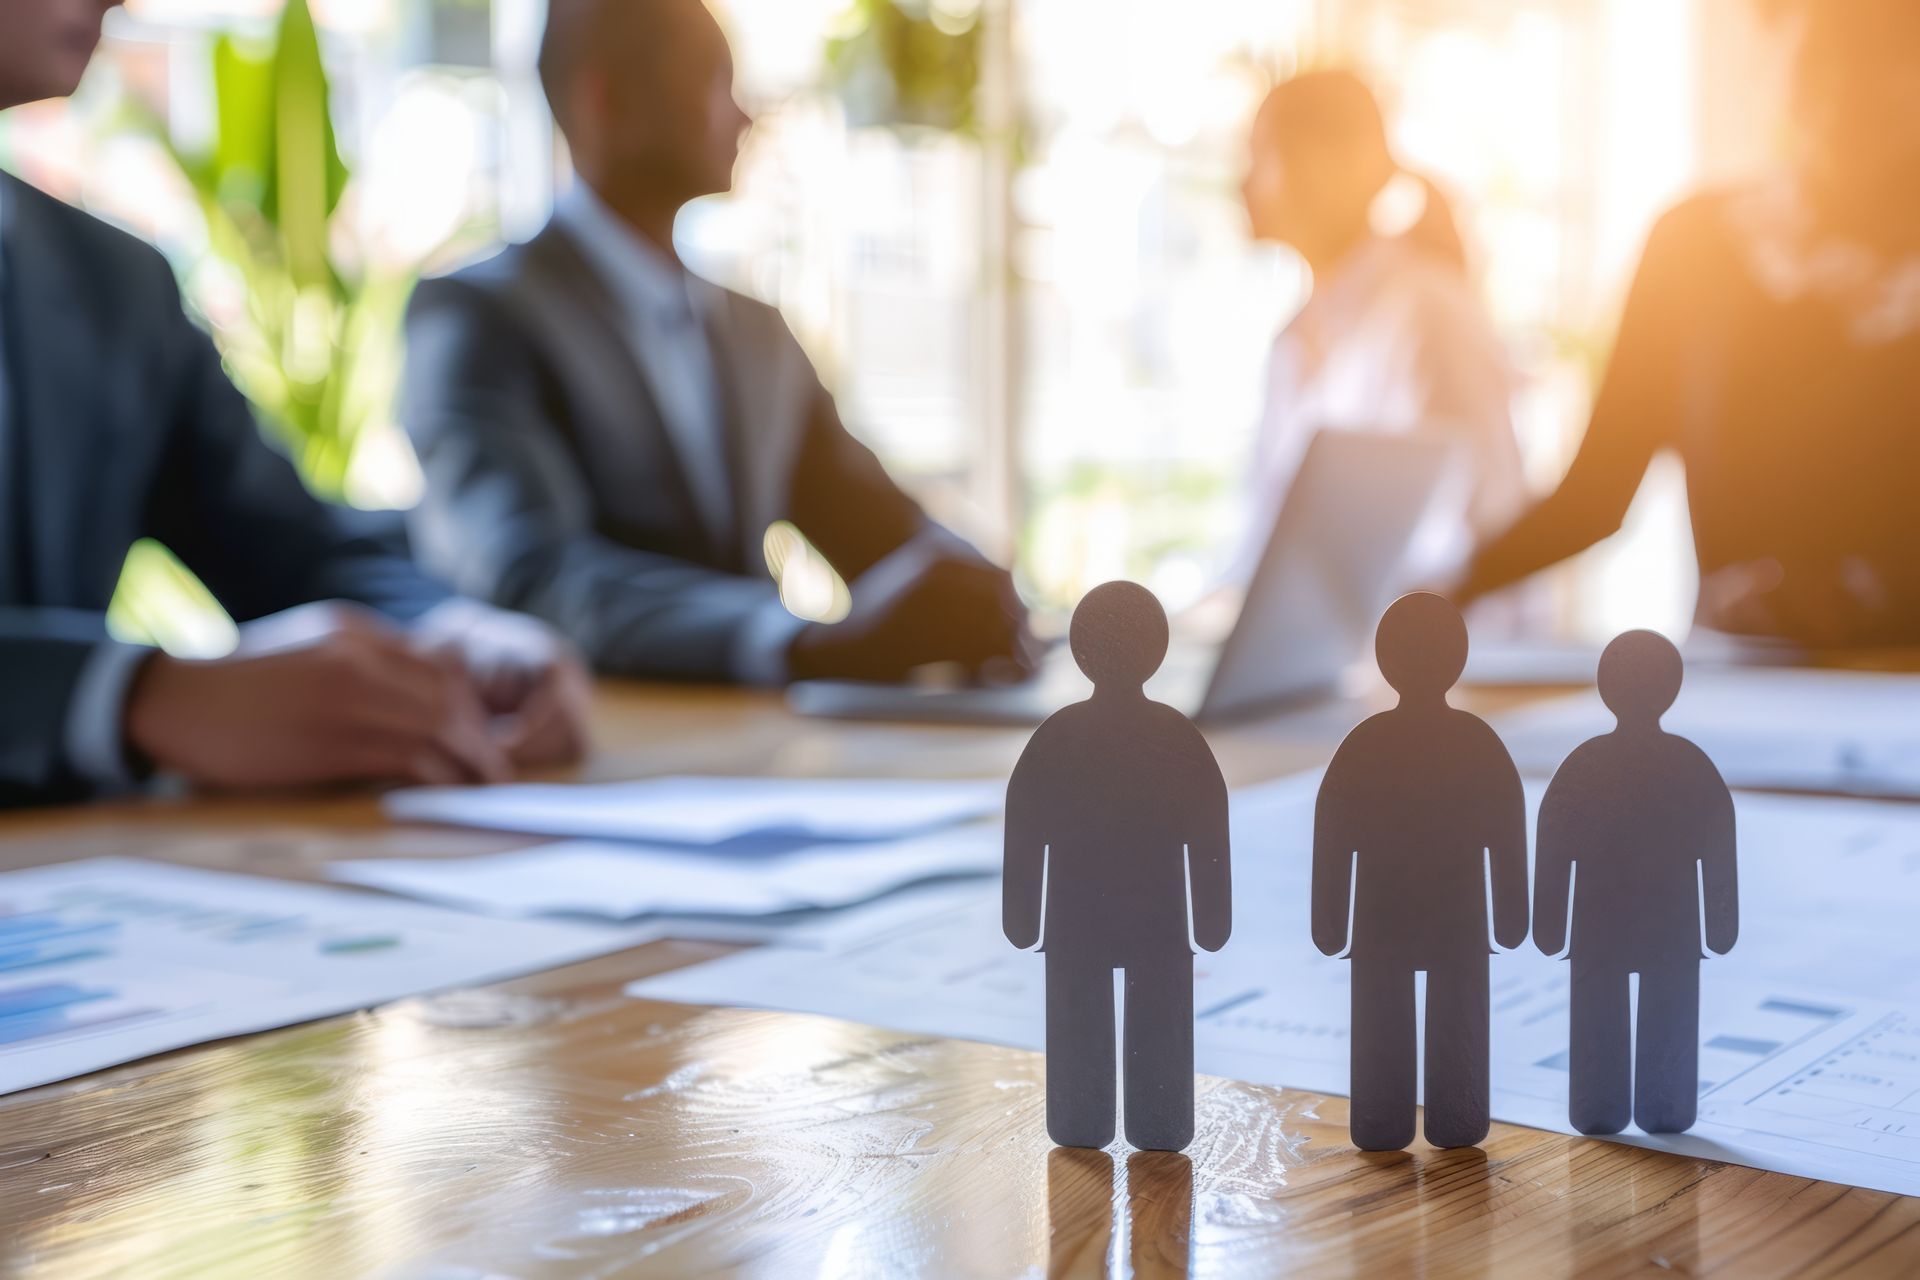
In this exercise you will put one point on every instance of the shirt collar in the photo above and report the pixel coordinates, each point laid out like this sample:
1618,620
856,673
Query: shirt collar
648,283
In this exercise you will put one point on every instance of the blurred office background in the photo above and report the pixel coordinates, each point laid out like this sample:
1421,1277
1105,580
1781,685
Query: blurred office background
1009,231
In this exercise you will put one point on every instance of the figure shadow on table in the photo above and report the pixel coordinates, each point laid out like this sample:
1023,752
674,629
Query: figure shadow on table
1092,1202
1613,1187
1450,1193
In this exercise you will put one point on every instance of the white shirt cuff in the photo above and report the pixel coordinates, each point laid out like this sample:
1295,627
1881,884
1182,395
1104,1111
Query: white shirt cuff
760,647
96,737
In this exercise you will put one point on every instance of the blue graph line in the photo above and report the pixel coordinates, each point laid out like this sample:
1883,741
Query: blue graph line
22,1001
30,1013
31,927
33,939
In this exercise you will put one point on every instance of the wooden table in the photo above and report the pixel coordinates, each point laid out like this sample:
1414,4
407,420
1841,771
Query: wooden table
551,1126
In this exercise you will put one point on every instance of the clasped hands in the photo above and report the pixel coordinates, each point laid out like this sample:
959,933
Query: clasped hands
332,692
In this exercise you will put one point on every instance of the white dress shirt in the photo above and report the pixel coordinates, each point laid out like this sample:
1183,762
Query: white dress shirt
1391,341
663,309
667,332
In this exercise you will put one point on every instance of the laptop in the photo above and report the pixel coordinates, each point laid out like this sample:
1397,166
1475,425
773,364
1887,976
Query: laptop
1362,521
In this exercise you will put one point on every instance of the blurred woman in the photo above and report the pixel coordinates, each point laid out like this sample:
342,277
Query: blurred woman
1392,338
1772,339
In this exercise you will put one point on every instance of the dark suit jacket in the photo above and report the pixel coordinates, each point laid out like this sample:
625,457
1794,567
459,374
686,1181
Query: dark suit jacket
120,424
554,488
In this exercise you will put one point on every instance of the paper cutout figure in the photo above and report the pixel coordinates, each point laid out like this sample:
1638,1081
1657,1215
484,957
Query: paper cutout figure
1626,820
1419,804
1116,815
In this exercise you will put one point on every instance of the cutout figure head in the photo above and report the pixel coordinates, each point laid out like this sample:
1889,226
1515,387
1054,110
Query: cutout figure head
1119,635
1640,675
1421,646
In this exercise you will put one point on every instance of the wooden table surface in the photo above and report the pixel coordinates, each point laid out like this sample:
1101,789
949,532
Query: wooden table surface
552,1127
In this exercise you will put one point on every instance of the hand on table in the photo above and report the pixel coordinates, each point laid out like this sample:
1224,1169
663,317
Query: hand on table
932,601
335,693
329,694
527,675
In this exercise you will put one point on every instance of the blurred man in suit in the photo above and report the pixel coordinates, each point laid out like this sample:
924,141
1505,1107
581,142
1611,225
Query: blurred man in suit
606,437
116,423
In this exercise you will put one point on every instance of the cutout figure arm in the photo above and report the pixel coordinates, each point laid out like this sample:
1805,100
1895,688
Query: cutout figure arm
1506,847
1553,871
1507,851
1333,860
1023,874
1210,875
1718,874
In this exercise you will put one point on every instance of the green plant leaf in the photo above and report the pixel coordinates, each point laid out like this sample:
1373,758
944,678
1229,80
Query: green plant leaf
243,149
308,175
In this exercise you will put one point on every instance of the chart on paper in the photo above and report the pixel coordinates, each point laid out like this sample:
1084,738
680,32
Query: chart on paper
40,940
112,959
1810,1030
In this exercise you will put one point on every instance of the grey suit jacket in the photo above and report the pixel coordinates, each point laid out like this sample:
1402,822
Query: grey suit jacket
554,488
119,423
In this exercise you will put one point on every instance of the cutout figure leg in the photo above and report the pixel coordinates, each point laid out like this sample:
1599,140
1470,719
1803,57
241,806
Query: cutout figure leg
1381,1116
1666,1087
1159,1074
1080,1061
1459,1089
1599,1088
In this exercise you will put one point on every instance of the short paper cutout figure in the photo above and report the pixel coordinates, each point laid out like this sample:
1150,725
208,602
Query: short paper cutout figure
1418,803
1628,818
1116,816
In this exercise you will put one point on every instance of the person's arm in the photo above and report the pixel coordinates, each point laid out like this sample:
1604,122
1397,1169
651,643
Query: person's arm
1507,848
509,518
843,499
1457,373
49,660
1553,870
233,509
1023,876
1460,384
1209,866
920,592
1636,414
1719,874
1333,859
236,512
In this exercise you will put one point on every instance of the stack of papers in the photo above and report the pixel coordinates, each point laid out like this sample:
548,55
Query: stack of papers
706,811
711,852
1810,1029
623,881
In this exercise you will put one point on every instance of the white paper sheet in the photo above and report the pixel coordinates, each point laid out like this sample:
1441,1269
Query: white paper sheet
112,959
1851,732
1810,1030
707,810
621,881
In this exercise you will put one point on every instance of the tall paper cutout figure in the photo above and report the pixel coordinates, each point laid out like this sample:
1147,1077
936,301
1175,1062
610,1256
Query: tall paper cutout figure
1419,806
1634,823
1116,817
